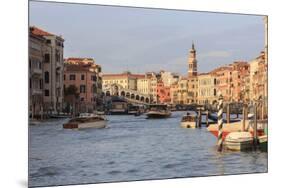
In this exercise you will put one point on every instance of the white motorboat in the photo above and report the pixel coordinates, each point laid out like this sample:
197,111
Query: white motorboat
188,121
86,121
239,141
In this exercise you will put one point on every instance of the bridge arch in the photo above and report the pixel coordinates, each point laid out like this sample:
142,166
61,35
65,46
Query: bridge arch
107,93
123,93
137,97
132,96
147,100
128,95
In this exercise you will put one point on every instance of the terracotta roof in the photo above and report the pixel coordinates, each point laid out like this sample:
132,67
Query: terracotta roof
40,32
73,67
77,59
124,75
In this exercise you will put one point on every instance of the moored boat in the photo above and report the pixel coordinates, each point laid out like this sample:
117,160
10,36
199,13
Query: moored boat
158,111
239,141
263,143
236,127
82,122
189,121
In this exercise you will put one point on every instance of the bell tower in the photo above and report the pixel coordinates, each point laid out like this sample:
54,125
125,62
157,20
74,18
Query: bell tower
192,62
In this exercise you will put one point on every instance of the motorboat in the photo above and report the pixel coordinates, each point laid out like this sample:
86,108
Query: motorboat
158,111
86,121
189,121
239,141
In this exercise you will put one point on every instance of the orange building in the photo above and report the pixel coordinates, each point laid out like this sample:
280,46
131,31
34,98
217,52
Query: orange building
163,93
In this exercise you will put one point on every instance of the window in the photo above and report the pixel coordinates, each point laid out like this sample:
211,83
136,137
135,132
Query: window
57,56
40,65
48,41
215,92
82,77
64,77
47,93
30,83
41,84
47,58
94,78
82,89
46,76
72,77
82,99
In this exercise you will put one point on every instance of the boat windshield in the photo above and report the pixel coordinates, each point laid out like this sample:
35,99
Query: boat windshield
158,107
188,118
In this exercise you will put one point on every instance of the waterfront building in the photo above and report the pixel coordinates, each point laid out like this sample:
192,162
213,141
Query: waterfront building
163,93
52,70
144,84
239,81
85,77
223,77
174,93
168,78
192,76
35,75
207,93
258,78
182,91
126,80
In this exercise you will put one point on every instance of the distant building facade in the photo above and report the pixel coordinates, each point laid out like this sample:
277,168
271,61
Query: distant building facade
163,93
85,76
52,68
207,93
35,75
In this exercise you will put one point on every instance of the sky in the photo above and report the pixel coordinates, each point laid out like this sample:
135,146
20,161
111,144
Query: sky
142,40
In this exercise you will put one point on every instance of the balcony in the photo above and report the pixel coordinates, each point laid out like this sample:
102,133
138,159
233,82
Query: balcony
36,71
37,92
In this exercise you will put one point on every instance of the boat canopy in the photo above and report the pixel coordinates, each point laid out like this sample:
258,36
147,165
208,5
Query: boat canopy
158,106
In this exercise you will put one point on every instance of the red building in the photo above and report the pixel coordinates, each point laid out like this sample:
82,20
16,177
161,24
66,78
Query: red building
163,93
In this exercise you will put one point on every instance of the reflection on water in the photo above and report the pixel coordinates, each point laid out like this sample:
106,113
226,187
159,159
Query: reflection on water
132,148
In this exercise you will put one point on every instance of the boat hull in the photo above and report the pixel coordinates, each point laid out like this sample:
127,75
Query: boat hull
239,141
158,115
188,124
263,143
233,127
75,125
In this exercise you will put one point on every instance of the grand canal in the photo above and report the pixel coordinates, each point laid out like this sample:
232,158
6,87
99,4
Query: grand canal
132,148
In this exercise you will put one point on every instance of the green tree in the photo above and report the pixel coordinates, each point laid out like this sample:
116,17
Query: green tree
71,97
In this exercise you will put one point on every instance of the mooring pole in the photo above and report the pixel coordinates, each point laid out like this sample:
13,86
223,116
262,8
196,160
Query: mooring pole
200,117
228,113
244,117
255,126
220,122
207,118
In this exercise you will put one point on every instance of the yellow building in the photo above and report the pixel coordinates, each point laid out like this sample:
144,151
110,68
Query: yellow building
206,88
126,80
182,91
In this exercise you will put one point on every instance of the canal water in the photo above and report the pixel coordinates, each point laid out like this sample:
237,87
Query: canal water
132,148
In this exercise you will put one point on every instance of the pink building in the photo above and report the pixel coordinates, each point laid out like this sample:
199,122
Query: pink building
86,79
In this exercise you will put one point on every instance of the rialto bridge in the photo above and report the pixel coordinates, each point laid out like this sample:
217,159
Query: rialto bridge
130,95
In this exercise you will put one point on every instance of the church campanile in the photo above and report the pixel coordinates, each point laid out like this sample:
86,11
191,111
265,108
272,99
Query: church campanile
192,62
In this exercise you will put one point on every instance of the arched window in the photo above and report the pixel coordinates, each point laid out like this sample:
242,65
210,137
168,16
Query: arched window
46,76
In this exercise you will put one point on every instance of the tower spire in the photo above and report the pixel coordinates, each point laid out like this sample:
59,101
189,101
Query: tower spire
193,48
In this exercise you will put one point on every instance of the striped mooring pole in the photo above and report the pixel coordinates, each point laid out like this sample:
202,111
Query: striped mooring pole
220,122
